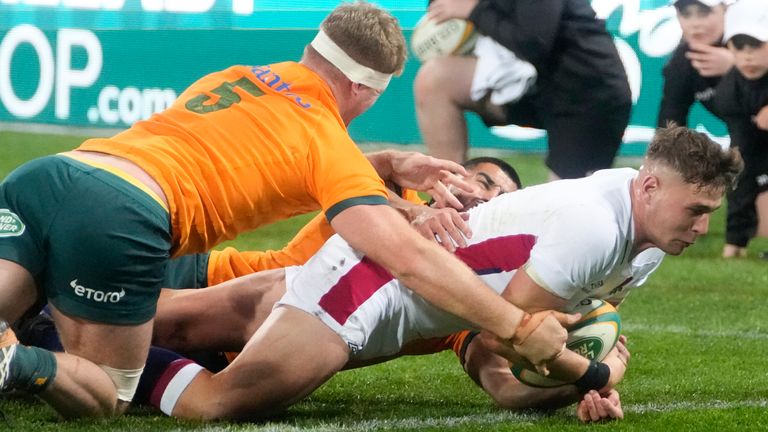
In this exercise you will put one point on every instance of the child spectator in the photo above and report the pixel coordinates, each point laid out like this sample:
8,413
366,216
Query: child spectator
742,101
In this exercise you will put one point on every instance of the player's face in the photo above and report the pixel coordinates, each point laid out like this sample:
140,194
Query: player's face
702,24
751,60
679,213
489,181
365,98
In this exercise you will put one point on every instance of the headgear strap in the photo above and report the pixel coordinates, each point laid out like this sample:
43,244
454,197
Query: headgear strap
353,70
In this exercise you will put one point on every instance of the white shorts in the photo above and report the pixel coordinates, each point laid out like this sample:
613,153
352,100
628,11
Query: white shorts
357,298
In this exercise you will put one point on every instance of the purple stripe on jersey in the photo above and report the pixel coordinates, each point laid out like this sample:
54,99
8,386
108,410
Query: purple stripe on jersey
366,277
498,254
353,289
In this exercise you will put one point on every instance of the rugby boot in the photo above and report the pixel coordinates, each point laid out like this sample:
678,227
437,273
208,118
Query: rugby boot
8,345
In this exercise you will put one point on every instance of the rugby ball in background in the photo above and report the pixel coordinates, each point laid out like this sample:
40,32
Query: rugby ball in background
593,337
450,37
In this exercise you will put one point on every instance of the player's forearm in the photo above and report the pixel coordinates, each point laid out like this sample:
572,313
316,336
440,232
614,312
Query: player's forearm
431,272
382,163
450,285
493,374
568,367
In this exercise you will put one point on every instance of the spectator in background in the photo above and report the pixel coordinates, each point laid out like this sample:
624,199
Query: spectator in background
581,96
698,63
742,101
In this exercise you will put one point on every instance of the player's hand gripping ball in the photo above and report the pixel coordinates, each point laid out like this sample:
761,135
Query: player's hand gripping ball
593,337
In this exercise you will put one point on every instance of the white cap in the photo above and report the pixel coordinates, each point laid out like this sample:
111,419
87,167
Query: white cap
710,3
747,17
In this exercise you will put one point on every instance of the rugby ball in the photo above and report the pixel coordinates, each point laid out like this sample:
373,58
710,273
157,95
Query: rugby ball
593,337
450,37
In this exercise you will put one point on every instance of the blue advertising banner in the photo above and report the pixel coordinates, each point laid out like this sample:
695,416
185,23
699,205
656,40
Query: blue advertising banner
109,63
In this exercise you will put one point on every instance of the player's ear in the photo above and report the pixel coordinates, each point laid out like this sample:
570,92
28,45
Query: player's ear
649,185
357,88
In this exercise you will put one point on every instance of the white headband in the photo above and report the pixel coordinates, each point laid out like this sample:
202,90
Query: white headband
353,70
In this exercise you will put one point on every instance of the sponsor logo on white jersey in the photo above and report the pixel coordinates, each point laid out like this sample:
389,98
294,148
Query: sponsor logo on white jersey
96,295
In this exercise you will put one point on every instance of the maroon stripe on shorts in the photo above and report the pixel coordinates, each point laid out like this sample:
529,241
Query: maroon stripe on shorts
353,289
365,278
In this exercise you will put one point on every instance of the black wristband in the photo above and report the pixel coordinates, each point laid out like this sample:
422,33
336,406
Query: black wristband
595,378
464,345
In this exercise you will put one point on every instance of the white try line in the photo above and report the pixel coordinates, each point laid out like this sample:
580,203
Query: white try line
686,331
501,417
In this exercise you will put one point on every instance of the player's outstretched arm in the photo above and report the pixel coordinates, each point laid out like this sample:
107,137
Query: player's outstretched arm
440,277
526,293
493,374
422,173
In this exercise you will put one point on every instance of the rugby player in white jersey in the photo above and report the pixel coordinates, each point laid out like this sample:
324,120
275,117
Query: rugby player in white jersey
545,247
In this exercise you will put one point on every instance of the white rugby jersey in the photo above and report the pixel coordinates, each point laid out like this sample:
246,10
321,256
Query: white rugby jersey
583,234
573,237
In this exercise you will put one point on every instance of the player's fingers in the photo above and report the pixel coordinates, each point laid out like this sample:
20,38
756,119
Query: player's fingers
458,181
456,236
444,236
451,167
589,403
462,229
622,349
566,319
582,413
613,397
612,411
427,232
443,196
437,12
600,407
624,354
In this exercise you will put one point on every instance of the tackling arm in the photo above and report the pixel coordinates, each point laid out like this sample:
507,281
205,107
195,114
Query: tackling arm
442,279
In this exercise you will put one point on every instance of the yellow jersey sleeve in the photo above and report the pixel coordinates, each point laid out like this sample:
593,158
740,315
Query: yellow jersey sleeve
231,263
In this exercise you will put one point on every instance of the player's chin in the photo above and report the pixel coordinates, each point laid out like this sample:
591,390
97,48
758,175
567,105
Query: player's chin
676,247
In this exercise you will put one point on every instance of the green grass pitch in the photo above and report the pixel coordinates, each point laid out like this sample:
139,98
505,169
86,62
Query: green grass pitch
698,333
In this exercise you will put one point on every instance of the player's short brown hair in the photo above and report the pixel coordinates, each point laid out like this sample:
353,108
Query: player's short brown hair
698,159
370,35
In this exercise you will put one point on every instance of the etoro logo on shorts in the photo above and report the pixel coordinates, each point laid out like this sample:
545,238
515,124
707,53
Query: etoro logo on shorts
10,224
96,295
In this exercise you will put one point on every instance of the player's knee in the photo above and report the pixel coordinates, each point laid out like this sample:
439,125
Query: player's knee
431,80
126,381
